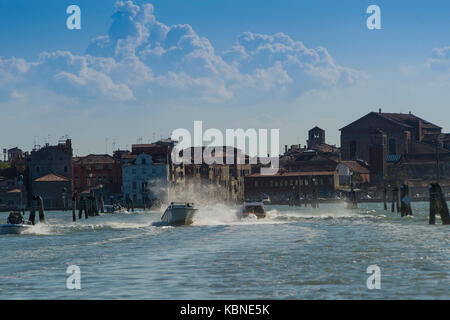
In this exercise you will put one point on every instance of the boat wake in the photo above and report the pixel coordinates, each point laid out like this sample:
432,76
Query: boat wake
220,214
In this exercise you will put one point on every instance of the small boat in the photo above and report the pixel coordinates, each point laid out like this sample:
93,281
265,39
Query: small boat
179,213
15,224
265,199
254,208
114,208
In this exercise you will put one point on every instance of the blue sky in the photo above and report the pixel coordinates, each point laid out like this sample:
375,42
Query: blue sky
141,69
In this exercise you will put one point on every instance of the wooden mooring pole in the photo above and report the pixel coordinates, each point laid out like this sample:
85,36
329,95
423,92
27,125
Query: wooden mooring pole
405,208
102,204
32,216
352,201
395,200
438,204
85,206
385,198
80,207
41,209
74,208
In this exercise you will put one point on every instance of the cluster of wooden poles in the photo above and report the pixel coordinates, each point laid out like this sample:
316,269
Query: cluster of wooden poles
294,200
37,202
402,203
91,205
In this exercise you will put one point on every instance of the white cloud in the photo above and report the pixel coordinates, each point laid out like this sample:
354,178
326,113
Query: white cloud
141,56
440,59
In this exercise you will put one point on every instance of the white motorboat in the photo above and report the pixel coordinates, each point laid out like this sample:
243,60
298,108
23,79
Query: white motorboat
14,228
179,213
15,224
256,208
265,199
115,208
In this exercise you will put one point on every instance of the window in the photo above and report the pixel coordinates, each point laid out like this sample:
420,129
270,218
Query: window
256,183
143,161
134,185
37,169
353,150
65,169
392,146
133,171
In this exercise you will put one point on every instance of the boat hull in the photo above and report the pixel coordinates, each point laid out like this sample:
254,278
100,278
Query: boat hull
179,216
13,228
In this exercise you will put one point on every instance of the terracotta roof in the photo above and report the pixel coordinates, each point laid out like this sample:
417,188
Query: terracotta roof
129,156
325,147
51,177
14,191
356,166
94,158
400,119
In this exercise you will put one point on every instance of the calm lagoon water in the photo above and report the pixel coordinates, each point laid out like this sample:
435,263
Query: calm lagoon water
296,253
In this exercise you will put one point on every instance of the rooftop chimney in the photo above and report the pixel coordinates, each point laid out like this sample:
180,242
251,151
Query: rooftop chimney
379,110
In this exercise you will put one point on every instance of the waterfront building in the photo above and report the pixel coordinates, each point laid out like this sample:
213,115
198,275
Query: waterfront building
54,189
396,146
54,165
286,185
100,171
144,180
13,194
217,181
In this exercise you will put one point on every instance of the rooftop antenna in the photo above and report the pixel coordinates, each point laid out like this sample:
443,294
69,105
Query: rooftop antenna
106,145
114,144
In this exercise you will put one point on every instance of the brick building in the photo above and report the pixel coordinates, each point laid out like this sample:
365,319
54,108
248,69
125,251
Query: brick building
97,170
384,140
50,161
54,189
